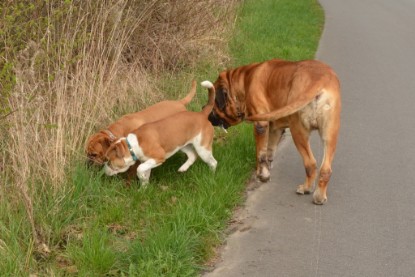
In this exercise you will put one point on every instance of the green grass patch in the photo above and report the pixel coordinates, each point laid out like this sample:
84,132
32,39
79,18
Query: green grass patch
281,29
96,226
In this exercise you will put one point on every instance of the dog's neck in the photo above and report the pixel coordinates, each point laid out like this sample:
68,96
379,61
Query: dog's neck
109,134
133,146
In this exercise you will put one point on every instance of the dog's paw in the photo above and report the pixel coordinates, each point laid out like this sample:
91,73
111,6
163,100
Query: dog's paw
212,165
144,180
144,183
183,168
263,178
265,175
301,189
319,198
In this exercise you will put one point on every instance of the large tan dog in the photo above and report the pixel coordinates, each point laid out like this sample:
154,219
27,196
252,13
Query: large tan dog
277,94
98,144
153,143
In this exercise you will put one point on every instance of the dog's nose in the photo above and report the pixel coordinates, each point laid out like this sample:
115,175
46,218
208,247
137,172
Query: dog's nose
89,162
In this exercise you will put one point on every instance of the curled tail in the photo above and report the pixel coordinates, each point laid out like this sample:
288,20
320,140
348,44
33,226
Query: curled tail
190,95
211,100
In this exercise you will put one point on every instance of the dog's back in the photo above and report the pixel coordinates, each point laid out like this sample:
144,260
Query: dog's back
179,129
175,131
127,123
98,143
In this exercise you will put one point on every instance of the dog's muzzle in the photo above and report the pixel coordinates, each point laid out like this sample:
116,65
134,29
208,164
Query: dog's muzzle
217,121
92,161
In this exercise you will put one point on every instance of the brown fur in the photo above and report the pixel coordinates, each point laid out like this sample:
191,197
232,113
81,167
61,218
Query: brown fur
156,141
279,94
98,144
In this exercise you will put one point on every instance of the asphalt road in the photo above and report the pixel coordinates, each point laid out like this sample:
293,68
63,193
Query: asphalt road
367,228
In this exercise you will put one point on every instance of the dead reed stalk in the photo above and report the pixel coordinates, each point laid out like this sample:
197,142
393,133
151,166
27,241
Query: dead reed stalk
88,63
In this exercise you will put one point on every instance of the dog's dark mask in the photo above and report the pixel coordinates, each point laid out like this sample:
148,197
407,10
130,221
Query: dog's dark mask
222,115
220,103
217,121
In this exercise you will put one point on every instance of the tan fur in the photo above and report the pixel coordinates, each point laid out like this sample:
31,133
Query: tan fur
157,141
98,144
279,94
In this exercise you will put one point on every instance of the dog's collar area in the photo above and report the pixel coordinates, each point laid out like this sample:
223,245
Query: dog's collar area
110,134
131,150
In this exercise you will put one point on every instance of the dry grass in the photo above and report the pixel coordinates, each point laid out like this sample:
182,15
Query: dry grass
84,64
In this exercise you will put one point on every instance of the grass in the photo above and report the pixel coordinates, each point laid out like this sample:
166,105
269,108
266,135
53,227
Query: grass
95,226
167,229
277,29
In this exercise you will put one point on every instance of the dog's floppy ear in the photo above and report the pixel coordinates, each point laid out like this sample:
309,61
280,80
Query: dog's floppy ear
109,151
106,142
221,97
119,147
112,150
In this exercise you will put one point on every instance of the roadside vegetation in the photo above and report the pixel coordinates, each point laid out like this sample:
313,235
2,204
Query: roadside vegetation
67,69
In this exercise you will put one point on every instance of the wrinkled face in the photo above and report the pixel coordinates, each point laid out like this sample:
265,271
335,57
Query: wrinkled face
118,158
226,111
96,148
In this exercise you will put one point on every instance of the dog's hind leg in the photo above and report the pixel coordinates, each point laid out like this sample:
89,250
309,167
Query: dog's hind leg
301,135
191,157
329,134
207,156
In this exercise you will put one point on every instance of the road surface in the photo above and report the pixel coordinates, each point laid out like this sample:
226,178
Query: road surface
367,227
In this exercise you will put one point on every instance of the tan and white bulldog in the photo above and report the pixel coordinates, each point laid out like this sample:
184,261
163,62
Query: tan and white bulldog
153,143
278,94
98,144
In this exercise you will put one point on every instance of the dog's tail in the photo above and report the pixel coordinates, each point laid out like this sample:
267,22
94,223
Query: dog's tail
211,101
190,95
280,113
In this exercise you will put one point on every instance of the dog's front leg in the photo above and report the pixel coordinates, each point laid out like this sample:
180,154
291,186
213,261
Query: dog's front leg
274,138
144,170
131,172
261,131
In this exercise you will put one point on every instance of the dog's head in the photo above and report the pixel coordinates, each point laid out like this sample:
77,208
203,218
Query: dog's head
96,147
227,110
118,158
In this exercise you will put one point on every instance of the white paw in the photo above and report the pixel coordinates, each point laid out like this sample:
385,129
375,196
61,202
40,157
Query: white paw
183,168
213,166
144,178
144,183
